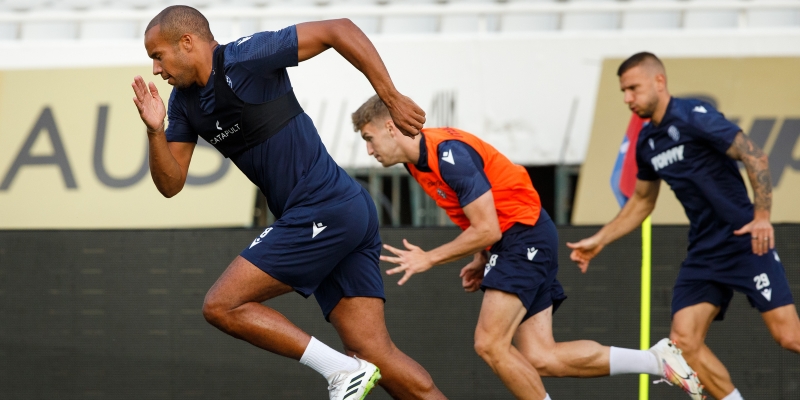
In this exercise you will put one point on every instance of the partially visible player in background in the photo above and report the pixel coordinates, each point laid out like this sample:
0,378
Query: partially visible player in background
325,242
495,204
694,149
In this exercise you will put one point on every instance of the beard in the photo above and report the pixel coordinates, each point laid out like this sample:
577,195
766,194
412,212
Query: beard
182,77
648,110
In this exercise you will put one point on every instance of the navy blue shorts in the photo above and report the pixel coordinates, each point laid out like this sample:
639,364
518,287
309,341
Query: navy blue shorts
761,278
525,262
330,251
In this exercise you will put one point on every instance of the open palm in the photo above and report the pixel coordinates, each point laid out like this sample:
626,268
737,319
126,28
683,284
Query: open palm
150,105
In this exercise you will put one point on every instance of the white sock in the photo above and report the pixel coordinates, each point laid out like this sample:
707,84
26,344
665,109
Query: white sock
735,395
629,361
326,360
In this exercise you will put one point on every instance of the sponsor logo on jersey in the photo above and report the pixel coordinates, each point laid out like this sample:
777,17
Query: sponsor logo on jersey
674,133
532,253
260,237
447,156
700,109
216,139
667,157
317,228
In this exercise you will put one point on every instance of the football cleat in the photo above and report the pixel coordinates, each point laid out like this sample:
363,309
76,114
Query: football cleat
675,370
355,384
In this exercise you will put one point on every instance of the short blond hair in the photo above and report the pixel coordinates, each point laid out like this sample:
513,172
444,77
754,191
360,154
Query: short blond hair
369,111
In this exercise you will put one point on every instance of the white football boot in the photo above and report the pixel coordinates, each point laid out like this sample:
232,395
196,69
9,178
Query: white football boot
675,370
354,385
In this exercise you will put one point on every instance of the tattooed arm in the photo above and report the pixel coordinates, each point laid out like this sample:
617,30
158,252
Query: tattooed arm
755,161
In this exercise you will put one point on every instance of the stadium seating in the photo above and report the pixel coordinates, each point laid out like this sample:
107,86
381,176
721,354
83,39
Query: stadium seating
124,19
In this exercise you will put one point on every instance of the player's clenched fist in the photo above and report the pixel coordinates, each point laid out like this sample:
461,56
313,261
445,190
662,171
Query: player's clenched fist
150,105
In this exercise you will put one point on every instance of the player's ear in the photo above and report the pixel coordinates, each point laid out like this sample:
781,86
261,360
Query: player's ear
186,42
390,127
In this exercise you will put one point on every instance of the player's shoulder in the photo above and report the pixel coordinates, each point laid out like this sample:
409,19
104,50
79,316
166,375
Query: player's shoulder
694,112
177,101
260,42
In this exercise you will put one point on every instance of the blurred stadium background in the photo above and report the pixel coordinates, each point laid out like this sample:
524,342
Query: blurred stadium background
101,279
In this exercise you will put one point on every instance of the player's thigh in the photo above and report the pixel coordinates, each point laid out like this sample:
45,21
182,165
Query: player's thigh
783,323
690,325
243,282
535,334
361,325
500,316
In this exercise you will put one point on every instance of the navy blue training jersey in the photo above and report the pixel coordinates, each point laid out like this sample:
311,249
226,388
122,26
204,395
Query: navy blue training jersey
291,168
467,178
687,150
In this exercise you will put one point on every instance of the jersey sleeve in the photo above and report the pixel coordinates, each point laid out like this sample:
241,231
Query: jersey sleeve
711,127
462,169
265,51
644,170
178,128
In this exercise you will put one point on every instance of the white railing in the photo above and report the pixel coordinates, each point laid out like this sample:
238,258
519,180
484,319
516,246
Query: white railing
484,12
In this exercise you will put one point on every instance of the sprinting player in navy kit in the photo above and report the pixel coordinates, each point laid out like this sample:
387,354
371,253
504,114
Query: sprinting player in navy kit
325,241
495,204
694,149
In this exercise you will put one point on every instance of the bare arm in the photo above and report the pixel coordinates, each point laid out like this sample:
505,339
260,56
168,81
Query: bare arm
169,162
348,40
638,207
484,230
757,165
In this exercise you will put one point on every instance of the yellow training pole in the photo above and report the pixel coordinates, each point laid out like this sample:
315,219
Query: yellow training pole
644,312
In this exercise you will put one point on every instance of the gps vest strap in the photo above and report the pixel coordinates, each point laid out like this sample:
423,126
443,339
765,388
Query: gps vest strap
235,126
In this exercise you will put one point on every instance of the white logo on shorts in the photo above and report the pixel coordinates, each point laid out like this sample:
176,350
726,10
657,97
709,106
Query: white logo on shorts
762,281
317,228
532,253
775,253
492,262
261,236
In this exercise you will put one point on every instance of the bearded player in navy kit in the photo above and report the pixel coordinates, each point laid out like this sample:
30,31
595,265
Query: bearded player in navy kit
325,241
694,149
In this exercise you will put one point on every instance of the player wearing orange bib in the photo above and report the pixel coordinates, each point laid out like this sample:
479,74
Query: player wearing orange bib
494,203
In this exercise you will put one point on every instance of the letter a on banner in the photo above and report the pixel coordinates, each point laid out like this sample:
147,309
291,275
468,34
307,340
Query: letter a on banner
46,122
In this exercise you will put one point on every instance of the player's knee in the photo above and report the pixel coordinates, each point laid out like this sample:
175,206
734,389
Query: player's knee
487,347
789,340
214,311
689,344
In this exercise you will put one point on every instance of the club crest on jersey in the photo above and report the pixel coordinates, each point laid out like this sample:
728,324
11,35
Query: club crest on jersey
674,133
441,193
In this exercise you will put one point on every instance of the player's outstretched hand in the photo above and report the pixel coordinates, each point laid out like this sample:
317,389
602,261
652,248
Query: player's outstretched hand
148,102
411,261
472,274
762,235
407,115
584,251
